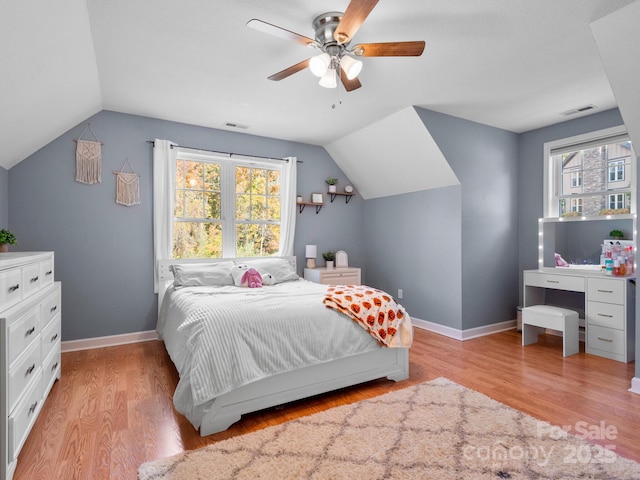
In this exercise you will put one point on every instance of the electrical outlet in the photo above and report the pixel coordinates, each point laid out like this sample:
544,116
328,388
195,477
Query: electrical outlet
399,293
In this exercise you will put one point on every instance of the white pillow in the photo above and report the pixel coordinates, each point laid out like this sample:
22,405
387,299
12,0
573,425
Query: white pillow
279,268
202,274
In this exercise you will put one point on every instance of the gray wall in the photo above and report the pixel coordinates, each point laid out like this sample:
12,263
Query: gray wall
531,173
465,239
104,251
4,198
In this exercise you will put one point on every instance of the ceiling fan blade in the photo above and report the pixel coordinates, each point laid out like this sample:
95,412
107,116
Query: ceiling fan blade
390,49
355,14
280,32
290,71
349,85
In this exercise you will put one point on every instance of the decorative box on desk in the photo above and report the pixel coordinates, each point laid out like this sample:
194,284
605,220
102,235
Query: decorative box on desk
333,276
30,346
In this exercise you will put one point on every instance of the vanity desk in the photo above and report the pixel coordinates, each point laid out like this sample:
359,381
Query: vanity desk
609,306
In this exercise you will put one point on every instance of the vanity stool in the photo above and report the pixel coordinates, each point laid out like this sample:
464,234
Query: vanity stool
537,318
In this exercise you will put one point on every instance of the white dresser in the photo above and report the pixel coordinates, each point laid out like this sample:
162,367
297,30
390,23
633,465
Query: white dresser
333,276
30,323
609,307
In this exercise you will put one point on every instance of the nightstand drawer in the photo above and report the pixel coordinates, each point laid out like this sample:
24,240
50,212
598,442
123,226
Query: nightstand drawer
605,314
606,290
560,282
341,278
606,339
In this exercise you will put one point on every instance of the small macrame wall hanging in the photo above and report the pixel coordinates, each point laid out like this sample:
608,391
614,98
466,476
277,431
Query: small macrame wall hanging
88,159
127,186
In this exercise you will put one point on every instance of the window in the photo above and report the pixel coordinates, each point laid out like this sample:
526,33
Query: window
576,179
225,207
590,175
616,170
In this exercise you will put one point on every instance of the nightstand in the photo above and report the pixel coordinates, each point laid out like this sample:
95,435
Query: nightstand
333,276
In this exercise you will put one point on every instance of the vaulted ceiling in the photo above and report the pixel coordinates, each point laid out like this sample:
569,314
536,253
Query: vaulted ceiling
512,64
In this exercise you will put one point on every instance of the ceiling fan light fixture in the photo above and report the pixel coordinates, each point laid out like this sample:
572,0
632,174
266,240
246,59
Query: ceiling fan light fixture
351,66
329,80
319,64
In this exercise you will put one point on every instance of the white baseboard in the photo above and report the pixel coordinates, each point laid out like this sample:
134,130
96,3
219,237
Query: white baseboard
109,341
463,334
635,385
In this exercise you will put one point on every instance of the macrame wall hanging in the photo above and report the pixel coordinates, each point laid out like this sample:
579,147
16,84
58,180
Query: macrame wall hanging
88,159
127,186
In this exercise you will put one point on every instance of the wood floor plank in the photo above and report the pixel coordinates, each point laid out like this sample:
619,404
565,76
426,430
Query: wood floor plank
112,409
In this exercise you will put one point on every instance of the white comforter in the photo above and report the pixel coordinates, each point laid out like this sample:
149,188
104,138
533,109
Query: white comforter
221,338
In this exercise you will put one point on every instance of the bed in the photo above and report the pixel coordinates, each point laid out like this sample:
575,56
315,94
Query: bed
234,357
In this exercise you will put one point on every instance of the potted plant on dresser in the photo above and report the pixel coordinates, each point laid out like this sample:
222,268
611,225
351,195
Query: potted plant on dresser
6,238
329,258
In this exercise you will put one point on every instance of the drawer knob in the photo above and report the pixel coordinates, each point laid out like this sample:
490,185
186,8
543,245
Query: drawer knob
54,338
605,291
605,339
13,288
54,366
33,406
49,272
30,370
53,309
553,281
30,331
34,279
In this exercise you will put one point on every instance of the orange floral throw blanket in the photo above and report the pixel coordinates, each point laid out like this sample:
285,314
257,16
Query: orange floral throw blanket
374,310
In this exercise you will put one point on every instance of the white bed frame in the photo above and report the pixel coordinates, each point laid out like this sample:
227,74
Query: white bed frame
227,409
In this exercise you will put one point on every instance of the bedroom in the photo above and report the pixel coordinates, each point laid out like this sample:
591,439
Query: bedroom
103,251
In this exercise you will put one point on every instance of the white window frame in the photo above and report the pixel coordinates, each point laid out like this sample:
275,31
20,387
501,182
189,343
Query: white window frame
228,190
617,166
617,197
576,179
551,177
576,205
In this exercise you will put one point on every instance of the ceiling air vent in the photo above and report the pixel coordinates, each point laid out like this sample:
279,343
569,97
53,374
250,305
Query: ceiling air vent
575,111
236,125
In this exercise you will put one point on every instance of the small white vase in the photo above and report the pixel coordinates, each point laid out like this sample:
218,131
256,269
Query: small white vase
332,189
329,264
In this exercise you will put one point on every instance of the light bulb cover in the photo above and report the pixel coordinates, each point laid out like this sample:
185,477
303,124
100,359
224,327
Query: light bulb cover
328,80
351,66
319,64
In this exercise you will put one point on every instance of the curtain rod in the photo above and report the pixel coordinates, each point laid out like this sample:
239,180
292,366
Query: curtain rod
228,153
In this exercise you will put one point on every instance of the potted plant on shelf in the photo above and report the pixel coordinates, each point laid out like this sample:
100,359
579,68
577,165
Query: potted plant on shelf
332,184
299,198
616,234
329,258
6,238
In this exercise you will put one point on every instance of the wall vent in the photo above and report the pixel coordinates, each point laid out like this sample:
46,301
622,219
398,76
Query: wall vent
575,111
236,125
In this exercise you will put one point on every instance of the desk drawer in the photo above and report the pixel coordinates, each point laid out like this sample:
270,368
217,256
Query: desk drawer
606,290
560,282
605,315
606,339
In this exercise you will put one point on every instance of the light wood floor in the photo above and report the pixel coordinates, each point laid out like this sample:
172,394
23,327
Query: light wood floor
112,409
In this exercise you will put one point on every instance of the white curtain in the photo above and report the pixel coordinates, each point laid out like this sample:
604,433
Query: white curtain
288,186
164,178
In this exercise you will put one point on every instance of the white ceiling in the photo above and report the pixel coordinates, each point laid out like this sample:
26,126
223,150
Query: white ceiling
512,64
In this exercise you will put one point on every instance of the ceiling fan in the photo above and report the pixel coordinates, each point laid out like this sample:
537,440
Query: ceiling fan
333,34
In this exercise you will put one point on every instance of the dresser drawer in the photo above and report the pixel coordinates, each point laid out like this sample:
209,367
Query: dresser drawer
50,307
606,339
50,336
606,290
31,279
605,314
46,272
23,416
22,373
560,282
24,331
51,368
10,287
349,278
